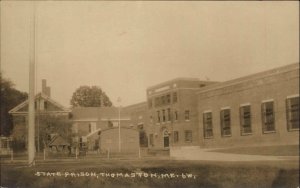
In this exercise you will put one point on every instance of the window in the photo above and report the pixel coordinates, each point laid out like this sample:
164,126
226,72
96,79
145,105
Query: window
176,136
187,115
168,99
158,116
207,125
174,97
245,119
151,140
169,114
225,122
92,127
188,136
268,119
175,115
292,113
164,115
45,105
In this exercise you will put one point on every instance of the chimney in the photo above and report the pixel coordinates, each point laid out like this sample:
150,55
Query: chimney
45,89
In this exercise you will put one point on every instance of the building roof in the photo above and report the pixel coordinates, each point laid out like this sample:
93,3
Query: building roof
98,113
252,77
22,108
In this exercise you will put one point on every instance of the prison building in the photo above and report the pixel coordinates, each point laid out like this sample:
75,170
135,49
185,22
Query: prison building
89,122
256,110
172,113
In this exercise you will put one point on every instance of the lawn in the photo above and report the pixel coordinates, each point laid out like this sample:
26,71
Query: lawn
151,173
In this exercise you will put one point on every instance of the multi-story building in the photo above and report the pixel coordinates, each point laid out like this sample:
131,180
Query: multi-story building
172,113
260,109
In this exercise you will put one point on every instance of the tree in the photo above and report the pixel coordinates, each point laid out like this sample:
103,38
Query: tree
47,125
9,98
51,124
86,96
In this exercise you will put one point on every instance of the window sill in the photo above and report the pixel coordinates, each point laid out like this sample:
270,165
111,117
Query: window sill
291,130
211,137
226,135
246,134
187,120
268,132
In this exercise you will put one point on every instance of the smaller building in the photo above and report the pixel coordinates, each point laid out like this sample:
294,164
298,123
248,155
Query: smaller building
128,142
89,122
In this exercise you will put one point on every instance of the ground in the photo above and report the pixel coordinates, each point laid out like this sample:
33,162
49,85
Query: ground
149,172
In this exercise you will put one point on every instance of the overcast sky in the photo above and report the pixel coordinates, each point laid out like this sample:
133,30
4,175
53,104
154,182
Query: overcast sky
125,47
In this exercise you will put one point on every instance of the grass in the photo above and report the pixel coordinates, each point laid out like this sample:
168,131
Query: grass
288,150
208,174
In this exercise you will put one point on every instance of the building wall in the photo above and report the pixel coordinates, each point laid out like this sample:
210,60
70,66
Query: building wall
276,84
109,140
159,131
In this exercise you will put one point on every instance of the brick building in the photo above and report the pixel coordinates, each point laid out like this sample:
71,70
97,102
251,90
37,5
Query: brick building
89,122
172,113
260,109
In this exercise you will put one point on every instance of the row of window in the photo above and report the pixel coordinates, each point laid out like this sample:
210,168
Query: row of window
162,100
267,116
164,115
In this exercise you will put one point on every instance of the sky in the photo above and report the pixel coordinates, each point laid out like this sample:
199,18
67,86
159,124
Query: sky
126,46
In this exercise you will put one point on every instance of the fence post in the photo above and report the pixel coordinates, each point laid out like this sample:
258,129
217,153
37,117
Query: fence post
76,152
139,152
108,153
44,154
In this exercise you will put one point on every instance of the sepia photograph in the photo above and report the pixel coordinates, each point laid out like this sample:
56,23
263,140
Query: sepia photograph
149,94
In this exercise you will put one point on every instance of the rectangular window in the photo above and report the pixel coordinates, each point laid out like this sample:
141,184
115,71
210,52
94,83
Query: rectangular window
225,122
188,137
245,119
175,115
187,115
151,139
158,116
292,113
268,119
174,97
176,136
168,99
164,115
169,114
45,105
207,125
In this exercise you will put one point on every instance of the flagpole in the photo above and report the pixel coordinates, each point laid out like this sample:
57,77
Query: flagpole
31,110
119,100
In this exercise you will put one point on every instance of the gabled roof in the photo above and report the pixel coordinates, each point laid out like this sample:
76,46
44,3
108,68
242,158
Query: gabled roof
22,108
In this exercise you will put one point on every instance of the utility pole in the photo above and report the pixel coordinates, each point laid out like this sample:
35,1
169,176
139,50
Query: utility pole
31,110
119,101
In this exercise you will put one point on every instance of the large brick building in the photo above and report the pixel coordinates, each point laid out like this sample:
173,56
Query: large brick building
172,113
260,109
255,110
